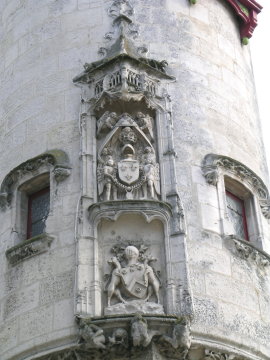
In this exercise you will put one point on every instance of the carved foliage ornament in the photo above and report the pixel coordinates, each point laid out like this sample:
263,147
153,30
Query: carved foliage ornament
210,169
57,160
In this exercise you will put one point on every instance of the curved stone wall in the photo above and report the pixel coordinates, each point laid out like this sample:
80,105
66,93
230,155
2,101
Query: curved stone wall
44,45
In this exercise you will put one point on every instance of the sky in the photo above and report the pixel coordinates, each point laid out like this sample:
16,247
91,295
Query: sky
260,50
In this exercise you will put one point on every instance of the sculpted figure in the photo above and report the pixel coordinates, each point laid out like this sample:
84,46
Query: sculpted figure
106,122
92,335
105,174
181,336
140,334
151,172
136,280
119,337
145,124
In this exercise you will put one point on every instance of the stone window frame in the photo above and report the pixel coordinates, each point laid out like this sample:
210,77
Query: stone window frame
228,174
45,170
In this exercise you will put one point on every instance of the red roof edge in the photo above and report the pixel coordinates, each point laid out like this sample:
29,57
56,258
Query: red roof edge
248,22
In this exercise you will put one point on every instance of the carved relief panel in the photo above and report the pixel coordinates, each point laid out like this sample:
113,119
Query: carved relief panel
132,250
127,166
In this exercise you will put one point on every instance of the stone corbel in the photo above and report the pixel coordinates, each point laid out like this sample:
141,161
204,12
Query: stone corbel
248,252
56,160
29,248
210,169
134,336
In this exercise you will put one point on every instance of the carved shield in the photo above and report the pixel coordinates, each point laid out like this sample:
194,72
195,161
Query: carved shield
128,171
134,281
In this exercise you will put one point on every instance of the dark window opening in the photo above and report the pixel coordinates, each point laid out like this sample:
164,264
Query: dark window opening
237,215
38,211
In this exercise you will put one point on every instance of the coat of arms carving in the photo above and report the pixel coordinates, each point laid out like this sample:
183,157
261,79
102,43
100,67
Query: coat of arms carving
133,280
127,164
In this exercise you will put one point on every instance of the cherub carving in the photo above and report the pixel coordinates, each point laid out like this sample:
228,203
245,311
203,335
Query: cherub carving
151,172
136,280
145,124
91,335
106,122
140,334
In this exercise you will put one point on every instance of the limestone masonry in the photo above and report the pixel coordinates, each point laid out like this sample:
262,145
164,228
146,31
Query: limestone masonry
134,202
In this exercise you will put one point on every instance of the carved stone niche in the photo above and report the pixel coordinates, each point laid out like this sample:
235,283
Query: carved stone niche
127,160
135,268
134,282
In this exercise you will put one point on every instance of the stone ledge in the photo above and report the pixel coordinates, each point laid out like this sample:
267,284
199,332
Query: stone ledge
28,248
249,251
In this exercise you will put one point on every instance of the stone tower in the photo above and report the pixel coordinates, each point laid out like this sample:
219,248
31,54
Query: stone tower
134,205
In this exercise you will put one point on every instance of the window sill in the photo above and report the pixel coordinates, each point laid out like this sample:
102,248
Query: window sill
249,251
28,248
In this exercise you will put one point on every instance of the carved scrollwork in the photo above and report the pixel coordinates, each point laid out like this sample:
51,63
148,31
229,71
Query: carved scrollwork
212,163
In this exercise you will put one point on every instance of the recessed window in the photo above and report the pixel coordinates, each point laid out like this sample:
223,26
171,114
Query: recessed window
38,211
237,215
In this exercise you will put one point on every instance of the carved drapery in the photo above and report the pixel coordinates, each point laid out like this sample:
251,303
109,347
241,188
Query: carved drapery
210,168
56,160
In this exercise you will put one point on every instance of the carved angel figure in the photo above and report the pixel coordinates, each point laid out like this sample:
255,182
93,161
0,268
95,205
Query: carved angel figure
105,172
151,172
91,335
119,337
145,124
181,335
136,280
106,122
140,334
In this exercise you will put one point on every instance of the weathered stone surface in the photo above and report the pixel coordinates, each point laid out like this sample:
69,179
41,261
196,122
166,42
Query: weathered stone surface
208,109
56,288
134,307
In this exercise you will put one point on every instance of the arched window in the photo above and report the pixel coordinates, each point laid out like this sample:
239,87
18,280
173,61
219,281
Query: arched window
243,198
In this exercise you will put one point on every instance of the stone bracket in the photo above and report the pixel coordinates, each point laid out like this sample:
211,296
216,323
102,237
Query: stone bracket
249,252
28,248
